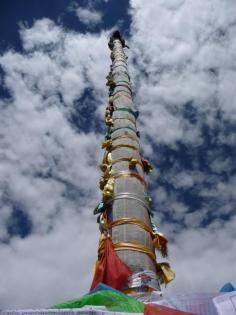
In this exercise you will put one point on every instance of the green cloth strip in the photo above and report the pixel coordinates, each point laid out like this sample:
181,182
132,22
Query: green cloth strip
113,300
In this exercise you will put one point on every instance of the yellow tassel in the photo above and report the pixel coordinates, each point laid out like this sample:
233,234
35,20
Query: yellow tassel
165,272
163,244
160,243
156,242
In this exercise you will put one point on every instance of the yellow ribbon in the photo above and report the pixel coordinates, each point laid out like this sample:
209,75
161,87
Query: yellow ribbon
126,159
117,146
134,221
108,144
130,174
135,246
159,240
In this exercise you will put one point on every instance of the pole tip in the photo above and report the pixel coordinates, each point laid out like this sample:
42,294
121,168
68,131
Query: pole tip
116,35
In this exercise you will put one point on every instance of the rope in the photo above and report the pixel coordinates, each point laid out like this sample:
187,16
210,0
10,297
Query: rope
130,174
126,136
129,146
117,95
128,82
125,109
124,85
130,196
125,159
127,94
119,54
135,246
133,221
119,60
127,127
113,67
124,118
121,73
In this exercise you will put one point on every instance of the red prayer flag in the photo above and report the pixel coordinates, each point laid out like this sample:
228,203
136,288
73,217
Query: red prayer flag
110,269
154,309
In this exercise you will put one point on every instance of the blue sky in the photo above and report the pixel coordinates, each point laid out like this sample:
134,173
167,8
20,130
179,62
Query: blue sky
53,63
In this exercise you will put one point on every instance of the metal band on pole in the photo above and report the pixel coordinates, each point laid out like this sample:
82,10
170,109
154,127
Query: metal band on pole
131,196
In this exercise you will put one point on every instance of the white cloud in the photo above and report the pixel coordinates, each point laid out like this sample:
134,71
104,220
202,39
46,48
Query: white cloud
44,32
185,48
43,270
203,259
183,66
48,167
89,16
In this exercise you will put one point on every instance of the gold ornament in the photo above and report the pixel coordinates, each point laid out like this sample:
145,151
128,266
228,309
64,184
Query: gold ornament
109,188
107,173
104,167
107,144
102,182
110,100
111,83
107,113
109,158
112,56
132,163
147,167
149,201
109,122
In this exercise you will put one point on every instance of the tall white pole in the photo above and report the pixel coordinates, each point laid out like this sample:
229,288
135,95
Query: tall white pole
124,185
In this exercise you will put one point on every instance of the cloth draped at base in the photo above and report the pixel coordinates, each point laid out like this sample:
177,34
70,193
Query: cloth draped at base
110,269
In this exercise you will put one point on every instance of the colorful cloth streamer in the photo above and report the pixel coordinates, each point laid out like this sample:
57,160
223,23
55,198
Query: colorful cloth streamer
110,269
153,309
228,287
101,207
